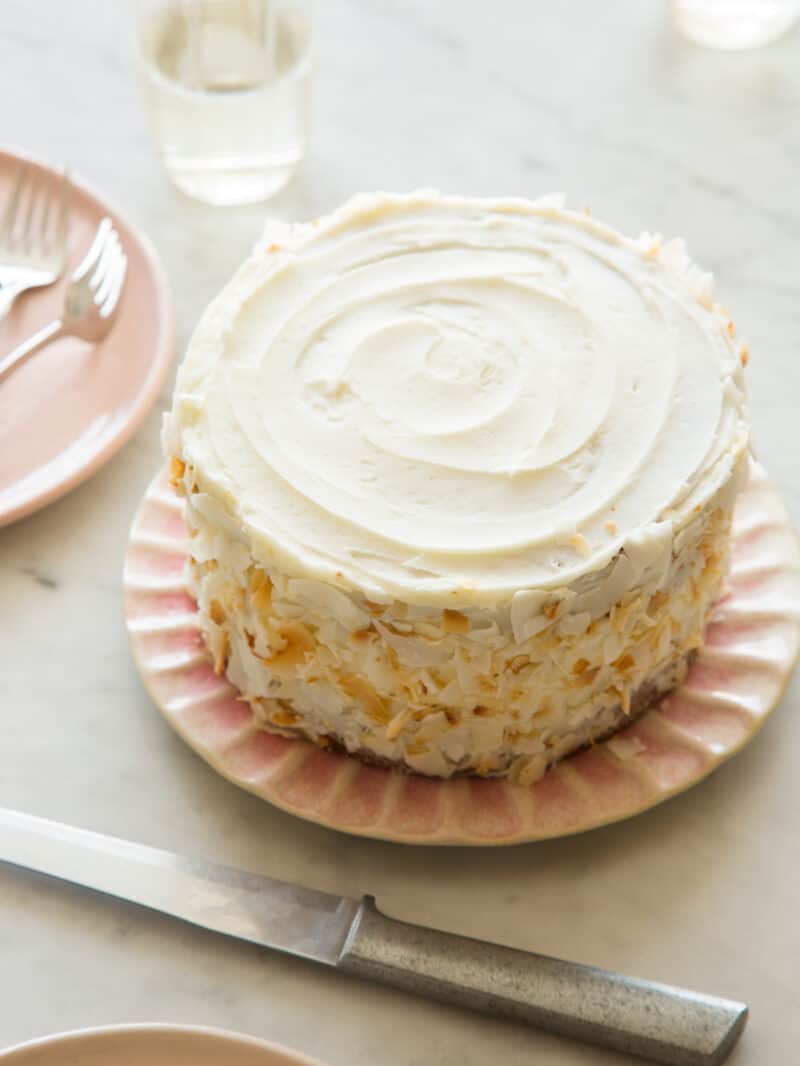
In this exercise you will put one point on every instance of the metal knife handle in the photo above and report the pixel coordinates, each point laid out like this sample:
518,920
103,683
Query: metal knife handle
659,1022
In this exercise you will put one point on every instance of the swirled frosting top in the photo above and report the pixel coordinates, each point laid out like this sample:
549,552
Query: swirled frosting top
443,399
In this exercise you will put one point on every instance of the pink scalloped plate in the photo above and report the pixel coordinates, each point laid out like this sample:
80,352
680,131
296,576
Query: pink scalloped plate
738,678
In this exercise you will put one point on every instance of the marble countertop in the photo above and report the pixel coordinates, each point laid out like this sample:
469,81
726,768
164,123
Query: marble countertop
607,104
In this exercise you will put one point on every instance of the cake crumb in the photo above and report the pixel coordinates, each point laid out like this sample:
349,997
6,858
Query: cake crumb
625,747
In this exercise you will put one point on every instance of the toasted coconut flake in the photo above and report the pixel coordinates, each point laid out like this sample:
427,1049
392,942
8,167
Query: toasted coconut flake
284,718
177,468
395,726
486,766
545,707
261,591
624,747
223,654
519,662
527,771
360,689
586,678
216,611
363,636
657,601
454,621
298,643
623,698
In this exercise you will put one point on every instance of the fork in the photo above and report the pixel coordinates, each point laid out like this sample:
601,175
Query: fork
32,251
91,301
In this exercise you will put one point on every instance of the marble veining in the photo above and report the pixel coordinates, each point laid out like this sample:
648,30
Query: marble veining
42,579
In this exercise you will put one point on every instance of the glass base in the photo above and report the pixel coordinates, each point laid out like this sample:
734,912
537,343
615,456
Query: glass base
734,25
229,187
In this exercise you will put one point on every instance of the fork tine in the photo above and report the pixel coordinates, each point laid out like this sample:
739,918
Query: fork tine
108,267
11,206
44,216
103,263
116,269
111,301
63,213
33,197
89,261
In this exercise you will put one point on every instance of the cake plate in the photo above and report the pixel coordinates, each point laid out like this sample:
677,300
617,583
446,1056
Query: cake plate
752,643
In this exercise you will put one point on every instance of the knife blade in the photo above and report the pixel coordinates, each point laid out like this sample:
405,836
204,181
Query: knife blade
660,1022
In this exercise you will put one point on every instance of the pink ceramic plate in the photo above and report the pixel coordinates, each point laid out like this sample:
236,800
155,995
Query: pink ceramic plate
69,408
152,1045
738,678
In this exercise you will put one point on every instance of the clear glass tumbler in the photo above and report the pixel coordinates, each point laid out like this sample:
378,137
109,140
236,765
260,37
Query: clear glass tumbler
226,86
734,24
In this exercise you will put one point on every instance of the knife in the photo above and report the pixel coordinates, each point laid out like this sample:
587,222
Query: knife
665,1024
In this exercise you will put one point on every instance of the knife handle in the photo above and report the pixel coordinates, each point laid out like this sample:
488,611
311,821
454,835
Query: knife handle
659,1022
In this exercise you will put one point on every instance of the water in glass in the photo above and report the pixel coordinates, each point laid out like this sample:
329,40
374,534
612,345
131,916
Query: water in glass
226,87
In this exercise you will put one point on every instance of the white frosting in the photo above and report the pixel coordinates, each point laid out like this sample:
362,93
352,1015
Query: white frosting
450,401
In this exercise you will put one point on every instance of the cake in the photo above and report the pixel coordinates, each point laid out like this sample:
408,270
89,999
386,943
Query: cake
458,476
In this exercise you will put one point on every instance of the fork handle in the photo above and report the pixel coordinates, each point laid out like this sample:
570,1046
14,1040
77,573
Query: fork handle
32,344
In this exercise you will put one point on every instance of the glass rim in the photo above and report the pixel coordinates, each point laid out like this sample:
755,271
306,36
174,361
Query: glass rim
297,71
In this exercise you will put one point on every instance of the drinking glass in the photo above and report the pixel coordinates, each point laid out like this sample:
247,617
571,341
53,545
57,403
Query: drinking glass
734,24
226,87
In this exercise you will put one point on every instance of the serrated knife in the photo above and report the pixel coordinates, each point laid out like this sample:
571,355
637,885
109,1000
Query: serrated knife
659,1022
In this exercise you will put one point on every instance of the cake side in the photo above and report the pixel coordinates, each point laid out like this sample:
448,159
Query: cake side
444,691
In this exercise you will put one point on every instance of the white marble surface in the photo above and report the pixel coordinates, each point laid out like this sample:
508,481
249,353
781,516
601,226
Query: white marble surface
602,101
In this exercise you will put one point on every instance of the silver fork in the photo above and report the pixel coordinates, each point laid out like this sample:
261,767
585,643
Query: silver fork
91,301
32,248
